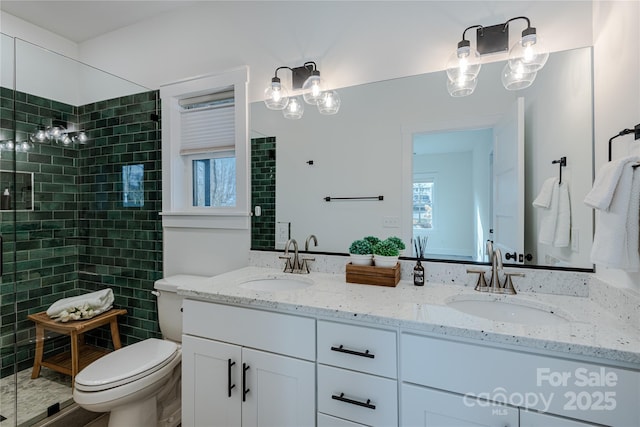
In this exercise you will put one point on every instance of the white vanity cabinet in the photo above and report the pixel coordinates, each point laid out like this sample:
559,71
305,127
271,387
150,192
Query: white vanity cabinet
441,380
245,367
357,375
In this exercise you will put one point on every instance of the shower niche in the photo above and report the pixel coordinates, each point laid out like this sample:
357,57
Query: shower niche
16,191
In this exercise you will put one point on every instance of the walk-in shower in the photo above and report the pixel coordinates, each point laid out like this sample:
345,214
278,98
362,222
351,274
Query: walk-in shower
82,212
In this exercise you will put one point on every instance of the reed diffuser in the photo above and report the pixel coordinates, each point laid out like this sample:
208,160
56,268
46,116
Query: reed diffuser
419,245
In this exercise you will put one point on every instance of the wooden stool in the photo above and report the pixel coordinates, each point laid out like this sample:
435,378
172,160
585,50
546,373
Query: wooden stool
81,355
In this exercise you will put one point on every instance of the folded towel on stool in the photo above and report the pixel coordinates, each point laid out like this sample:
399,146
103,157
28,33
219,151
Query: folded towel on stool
82,307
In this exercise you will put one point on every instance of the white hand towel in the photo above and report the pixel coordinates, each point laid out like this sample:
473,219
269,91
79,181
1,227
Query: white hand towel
544,197
604,186
611,242
98,302
549,218
562,236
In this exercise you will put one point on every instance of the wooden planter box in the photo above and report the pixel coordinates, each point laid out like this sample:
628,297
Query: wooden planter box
372,275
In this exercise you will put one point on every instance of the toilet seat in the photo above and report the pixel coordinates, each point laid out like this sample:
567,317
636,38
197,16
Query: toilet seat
126,365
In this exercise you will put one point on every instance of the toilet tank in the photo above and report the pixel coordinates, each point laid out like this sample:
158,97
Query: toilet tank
170,303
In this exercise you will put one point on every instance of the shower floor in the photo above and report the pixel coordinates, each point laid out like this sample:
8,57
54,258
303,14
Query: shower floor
34,396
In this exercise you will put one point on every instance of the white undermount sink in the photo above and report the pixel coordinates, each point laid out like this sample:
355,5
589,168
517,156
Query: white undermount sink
273,284
509,310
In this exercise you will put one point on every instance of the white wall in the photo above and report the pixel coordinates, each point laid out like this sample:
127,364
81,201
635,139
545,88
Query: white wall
217,36
550,137
617,92
453,202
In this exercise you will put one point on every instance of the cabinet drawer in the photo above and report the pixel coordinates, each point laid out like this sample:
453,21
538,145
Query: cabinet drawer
275,332
357,347
329,421
357,397
574,389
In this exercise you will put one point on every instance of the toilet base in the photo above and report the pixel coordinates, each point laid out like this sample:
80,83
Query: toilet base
139,414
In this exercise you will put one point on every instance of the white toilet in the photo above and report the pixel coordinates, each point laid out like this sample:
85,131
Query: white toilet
140,384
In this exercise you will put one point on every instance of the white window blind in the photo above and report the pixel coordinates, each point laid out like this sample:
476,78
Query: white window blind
207,123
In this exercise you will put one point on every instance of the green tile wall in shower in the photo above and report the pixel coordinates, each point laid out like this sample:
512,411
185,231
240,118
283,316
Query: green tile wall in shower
79,237
263,192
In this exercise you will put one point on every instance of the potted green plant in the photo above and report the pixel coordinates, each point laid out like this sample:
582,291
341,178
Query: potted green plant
361,252
399,243
373,240
385,254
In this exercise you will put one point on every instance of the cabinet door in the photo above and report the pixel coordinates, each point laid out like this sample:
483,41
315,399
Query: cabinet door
535,419
207,380
430,408
281,390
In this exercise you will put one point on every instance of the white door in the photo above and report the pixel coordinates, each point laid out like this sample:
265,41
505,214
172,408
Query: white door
425,407
534,419
211,383
508,184
279,391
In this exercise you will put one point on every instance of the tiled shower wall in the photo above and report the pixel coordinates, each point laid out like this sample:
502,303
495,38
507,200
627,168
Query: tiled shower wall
263,192
80,237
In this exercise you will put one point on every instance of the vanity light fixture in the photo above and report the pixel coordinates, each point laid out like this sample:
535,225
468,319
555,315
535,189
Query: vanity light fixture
526,57
58,133
304,79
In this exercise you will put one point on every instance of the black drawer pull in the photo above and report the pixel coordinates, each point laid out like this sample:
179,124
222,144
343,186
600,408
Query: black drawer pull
366,404
245,390
229,385
341,349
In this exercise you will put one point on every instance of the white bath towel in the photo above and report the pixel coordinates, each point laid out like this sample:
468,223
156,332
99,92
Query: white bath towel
555,220
82,306
604,186
562,236
615,243
546,191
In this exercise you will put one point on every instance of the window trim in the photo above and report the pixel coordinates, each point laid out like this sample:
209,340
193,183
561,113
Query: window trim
176,201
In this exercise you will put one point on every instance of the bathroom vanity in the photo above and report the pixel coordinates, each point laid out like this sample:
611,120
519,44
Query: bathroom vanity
315,350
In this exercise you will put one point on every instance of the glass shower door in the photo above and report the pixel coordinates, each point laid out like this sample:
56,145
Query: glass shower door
71,227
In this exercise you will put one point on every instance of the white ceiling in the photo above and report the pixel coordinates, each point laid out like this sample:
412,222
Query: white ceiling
81,20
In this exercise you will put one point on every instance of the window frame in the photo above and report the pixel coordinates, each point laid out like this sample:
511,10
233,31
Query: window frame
177,205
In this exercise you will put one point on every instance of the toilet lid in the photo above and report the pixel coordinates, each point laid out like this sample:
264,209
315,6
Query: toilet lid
126,365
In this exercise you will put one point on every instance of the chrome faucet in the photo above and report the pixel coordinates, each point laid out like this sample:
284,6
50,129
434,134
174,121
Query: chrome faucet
291,265
305,260
494,286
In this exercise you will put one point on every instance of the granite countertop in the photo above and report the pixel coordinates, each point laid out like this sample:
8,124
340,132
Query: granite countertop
590,332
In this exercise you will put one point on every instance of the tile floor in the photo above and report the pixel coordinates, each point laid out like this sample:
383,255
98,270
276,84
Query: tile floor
34,396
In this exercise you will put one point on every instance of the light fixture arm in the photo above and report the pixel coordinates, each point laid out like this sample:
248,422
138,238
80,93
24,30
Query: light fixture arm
464,42
527,31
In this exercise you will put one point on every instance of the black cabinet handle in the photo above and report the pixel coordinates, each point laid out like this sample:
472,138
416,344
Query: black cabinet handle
509,256
229,385
245,390
341,349
366,404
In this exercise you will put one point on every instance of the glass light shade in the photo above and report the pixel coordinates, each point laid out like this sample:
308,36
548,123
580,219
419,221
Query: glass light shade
330,103
65,140
528,54
463,64
25,146
461,87
294,110
54,132
312,90
517,79
40,135
80,138
276,96
7,145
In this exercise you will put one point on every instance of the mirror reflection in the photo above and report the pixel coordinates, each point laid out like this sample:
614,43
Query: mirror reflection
458,170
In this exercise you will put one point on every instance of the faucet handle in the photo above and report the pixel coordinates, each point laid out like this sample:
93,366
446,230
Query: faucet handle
508,283
304,264
481,282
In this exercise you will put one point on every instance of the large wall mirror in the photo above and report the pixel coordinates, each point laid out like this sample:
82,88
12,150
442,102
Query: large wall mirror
458,170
